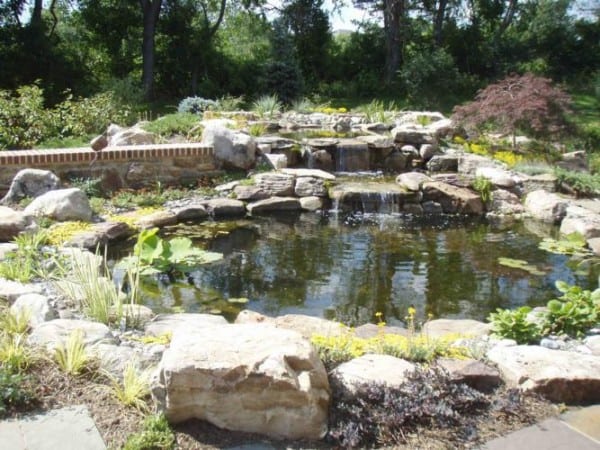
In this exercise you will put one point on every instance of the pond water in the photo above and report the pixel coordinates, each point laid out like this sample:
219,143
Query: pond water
349,268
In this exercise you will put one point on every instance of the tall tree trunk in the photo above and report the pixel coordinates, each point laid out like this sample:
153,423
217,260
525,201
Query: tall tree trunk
438,22
36,13
150,11
393,19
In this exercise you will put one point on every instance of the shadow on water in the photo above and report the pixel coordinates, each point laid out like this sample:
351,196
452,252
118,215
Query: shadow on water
348,268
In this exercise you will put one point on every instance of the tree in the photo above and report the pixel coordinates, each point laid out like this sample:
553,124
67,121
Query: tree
518,102
150,14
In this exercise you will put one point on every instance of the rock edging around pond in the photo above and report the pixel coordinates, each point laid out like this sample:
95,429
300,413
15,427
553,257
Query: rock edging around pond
261,374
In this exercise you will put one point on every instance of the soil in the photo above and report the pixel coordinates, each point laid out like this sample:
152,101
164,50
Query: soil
54,389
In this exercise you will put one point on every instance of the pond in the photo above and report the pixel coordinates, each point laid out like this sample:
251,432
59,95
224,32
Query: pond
349,268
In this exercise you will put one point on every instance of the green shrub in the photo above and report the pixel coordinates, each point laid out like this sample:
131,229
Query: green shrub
513,324
155,435
196,105
584,184
181,123
575,312
23,119
12,391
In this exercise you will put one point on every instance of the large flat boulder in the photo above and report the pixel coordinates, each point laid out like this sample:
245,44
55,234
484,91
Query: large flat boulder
225,207
170,323
252,377
546,206
560,376
232,149
274,204
371,368
275,183
453,199
307,326
56,332
61,205
582,221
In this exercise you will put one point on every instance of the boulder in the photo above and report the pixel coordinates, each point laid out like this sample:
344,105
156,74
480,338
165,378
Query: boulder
545,206
274,204
312,203
443,163
307,326
427,151
101,234
468,163
12,223
190,212
276,160
371,368
11,290
115,358
453,199
412,180
56,332
135,135
169,323
232,149
250,193
501,179
252,378
157,219
505,203
275,183
413,135
581,220
99,143
225,207
464,327
37,306
430,207
135,315
472,372
593,343
560,376
376,141
546,182
30,183
61,205
310,187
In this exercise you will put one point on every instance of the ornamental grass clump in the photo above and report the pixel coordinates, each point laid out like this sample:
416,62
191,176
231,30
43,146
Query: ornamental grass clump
133,388
73,357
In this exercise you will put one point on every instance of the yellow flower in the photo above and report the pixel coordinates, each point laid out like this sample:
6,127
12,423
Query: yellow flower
412,311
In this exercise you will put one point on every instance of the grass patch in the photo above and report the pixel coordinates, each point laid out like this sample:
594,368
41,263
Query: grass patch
156,434
183,124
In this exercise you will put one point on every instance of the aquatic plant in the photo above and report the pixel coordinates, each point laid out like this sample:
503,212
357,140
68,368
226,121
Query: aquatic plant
575,312
520,264
514,324
153,255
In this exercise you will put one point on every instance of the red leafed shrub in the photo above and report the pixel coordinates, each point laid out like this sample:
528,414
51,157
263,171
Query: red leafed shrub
526,103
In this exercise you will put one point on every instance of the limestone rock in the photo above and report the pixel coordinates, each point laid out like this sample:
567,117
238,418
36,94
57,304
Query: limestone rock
307,326
371,368
468,163
506,203
593,343
273,204
276,160
169,323
99,143
412,180
581,220
546,206
115,358
443,163
249,193
413,135
546,182
12,223
453,199
472,372
135,135
310,187
498,177
253,378
56,332
275,183
37,306
376,141
465,327
225,207
560,376
30,183
190,212
427,151
232,149
312,203
101,233
157,219
11,290
61,205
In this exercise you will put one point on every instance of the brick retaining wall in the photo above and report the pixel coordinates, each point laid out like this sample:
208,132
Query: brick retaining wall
132,166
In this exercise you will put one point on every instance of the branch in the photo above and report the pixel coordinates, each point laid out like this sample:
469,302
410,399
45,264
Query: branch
216,25
54,18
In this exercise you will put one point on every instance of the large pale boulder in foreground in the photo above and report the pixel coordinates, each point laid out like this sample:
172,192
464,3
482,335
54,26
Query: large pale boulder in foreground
546,206
368,369
253,378
62,205
560,376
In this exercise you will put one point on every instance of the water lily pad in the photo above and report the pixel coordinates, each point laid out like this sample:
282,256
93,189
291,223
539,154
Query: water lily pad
572,244
519,264
240,300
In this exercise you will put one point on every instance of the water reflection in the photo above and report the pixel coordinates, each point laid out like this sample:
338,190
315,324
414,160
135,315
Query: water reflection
350,269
